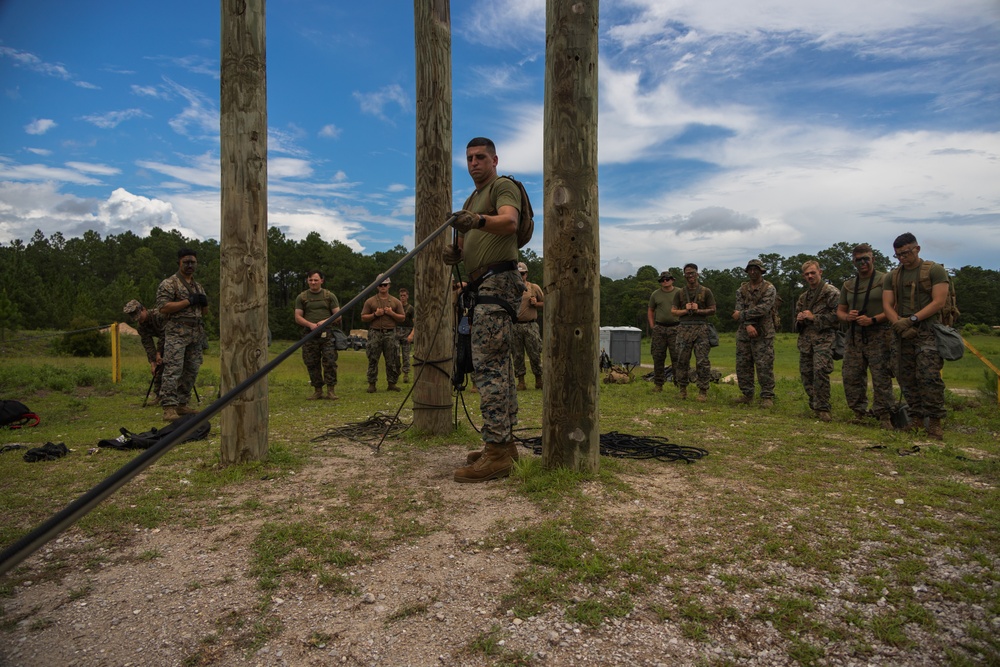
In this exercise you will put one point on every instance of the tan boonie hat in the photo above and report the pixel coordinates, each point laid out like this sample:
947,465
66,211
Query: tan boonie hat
522,267
755,262
132,308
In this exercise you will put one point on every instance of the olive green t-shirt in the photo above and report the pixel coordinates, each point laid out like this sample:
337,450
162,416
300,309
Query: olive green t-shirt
911,297
701,295
661,303
854,290
483,248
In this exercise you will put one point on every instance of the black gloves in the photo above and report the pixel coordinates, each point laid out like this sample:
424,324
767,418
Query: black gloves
198,300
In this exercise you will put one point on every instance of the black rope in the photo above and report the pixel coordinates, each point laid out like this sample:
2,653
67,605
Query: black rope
624,446
368,431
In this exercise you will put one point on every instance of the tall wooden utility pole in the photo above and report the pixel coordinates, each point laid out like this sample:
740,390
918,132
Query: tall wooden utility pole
243,316
433,317
570,418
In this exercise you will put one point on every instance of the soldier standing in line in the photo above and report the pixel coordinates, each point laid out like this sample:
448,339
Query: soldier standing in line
404,333
149,325
383,312
182,301
525,336
755,335
693,305
869,340
816,321
663,329
313,307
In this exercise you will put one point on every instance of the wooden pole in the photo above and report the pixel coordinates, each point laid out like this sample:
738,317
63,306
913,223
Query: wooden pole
243,283
433,316
571,418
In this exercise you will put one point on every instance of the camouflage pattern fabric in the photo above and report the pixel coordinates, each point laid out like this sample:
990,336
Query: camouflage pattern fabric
815,366
404,354
402,333
664,340
525,338
755,354
383,343
869,348
152,328
693,338
494,372
919,365
181,361
320,357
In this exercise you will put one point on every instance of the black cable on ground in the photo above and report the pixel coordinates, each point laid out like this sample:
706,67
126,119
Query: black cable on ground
624,446
376,427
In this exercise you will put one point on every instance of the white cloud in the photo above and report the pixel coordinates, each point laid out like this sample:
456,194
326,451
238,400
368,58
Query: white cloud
39,151
113,119
39,126
200,115
288,168
89,168
374,103
40,172
203,170
330,131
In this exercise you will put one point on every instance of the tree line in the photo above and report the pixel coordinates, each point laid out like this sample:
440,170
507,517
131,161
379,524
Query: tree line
62,284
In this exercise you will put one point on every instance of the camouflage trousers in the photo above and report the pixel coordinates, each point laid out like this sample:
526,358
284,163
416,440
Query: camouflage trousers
181,361
868,349
919,374
383,343
404,348
494,369
755,354
664,339
525,338
815,366
693,338
320,357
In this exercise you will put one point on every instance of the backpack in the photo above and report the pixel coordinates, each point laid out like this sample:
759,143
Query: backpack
775,309
526,219
15,414
145,440
949,313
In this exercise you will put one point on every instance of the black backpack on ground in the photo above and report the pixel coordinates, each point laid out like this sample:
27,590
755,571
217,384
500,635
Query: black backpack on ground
145,440
15,414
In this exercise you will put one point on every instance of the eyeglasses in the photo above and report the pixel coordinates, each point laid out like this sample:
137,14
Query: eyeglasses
906,253
863,260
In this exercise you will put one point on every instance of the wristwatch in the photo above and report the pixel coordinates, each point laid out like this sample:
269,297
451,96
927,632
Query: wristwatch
914,319
482,221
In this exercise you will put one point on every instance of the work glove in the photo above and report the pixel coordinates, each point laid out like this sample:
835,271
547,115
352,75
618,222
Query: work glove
199,300
909,333
452,255
902,325
466,220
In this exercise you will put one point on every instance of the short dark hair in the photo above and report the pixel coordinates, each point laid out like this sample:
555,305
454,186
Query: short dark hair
311,272
403,289
184,252
483,141
861,249
904,239
690,265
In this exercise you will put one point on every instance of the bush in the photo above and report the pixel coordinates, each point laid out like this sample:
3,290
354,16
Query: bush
88,343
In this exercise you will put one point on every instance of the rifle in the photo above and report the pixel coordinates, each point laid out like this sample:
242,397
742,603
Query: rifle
159,370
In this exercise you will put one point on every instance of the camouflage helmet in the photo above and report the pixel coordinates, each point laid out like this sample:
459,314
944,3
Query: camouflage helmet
132,308
756,262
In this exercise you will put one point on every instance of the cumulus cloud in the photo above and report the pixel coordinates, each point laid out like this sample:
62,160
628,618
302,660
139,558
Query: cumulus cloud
712,220
39,126
330,131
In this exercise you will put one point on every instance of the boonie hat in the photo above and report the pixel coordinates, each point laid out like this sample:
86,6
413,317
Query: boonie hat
385,282
755,262
132,308
522,267
665,275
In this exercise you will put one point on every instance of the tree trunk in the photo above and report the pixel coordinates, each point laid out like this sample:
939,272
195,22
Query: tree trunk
243,246
570,420
433,315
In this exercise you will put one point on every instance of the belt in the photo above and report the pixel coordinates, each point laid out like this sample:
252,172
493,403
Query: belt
667,324
490,269
527,321
381,328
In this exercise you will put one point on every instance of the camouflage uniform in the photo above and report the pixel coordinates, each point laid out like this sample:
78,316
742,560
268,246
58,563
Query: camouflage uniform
491,343
402,334
754,305
382,339
664,334
692,336
815,343
319,354
917,359
868,348
525,336
150,328
185,337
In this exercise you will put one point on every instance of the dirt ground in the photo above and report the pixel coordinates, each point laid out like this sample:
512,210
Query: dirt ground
426,602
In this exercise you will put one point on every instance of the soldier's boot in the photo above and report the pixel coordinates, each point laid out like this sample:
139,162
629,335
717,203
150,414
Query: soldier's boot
494,463
683,393
331,394
185,410
702,395
824,416
472,457
392,387
371,388
859,417
156,401
885,423
520,383
406,378
934,429
170,414
473,388
743,400
657,388
316,395
538,382
767,403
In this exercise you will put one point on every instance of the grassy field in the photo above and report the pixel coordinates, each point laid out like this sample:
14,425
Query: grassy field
778,488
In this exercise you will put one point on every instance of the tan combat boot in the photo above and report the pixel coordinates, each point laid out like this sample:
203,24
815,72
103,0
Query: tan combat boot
683,393
185,410
156,401
520,384
170,414
371,388
885,423
316,395
767,403
538,382
495,463
702,395
393,387
331,395
934,429
406,378
657,388
743,400
824,416
475,456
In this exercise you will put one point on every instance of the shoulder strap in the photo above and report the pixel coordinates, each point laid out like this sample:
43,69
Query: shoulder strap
925,275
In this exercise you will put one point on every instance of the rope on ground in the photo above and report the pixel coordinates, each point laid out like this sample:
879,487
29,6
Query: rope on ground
376,427
624,446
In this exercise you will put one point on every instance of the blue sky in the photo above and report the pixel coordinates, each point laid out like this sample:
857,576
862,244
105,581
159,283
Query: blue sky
727,128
